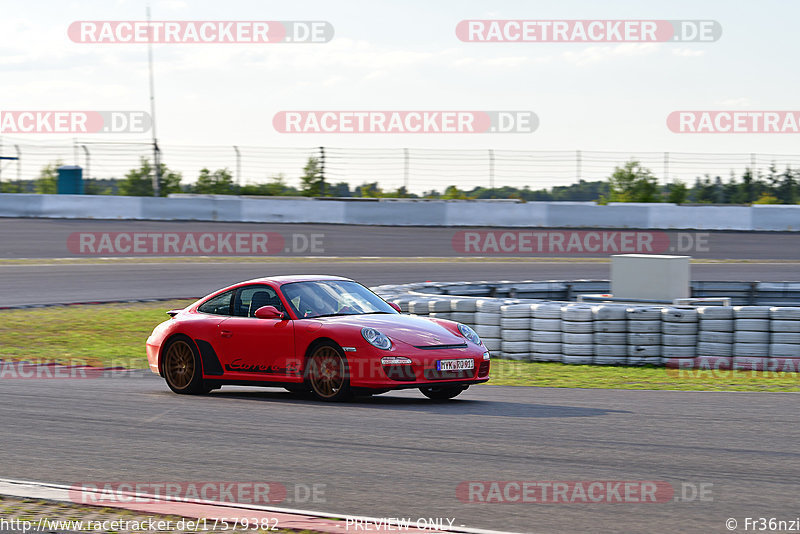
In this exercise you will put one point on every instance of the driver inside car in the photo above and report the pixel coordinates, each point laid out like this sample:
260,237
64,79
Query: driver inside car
310,304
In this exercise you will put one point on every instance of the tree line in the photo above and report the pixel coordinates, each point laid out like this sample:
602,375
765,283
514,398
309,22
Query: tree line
630,182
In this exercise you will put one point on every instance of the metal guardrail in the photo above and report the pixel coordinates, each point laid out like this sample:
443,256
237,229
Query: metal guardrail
739,293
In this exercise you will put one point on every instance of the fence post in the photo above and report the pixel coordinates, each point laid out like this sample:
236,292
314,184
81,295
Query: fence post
156,169
578,164
666,167
405,168
18,150
322,170
491,169
86,152
238,165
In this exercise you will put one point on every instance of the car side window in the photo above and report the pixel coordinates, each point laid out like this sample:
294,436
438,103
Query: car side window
250,298
219,305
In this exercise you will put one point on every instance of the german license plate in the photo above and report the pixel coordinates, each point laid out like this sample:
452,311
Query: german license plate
455,365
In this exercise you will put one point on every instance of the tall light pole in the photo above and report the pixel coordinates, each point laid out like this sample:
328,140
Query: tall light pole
156,151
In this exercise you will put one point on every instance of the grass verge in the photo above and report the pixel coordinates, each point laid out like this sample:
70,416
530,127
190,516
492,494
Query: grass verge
114,335
97,334
512,373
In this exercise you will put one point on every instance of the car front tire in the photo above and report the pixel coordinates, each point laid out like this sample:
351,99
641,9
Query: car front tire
327,373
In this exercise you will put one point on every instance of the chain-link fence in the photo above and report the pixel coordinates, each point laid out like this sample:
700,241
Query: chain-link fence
417,169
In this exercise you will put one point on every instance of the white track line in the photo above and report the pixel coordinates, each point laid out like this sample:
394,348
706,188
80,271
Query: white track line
27,489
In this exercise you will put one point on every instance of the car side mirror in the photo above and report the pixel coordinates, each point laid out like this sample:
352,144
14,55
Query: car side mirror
269,312
396,307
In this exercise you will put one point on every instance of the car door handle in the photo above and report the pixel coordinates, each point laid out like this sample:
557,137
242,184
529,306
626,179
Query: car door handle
225,333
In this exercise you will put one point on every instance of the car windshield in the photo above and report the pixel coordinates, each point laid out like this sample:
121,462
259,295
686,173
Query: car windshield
332,297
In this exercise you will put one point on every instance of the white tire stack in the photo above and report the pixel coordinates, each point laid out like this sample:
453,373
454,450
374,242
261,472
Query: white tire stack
439,308
785,336
679,327
644,335
419,306
515,324
610,334
403,301
577,334
545,332
463,311
487,323
751,331
715,337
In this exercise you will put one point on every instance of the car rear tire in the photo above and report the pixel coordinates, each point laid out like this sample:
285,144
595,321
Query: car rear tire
327,373
182,368
442,392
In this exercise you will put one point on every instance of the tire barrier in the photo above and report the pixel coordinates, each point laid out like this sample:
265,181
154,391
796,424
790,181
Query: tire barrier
545,332
644,335
515,324
750,337
679,332
577,334
784,332
741,293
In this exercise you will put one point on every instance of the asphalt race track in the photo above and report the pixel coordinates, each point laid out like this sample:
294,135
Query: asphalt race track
397,455
400,455
41,284
403,253
47,238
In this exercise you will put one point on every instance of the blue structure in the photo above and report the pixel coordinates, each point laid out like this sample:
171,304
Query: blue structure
70,180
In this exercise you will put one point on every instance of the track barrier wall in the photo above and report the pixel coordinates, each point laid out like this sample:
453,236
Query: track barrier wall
404,212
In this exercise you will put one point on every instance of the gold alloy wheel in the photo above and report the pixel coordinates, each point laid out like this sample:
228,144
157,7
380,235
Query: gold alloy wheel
327,372
179,365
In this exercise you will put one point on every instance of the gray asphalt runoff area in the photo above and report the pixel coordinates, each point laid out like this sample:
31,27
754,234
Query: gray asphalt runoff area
724,455
401,455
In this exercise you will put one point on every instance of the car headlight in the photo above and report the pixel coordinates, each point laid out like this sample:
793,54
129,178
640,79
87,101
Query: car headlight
469,333
376,339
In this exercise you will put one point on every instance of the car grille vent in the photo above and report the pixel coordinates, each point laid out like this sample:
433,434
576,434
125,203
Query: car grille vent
433,374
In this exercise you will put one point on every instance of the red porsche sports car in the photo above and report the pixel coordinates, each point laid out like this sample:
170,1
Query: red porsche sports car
324,334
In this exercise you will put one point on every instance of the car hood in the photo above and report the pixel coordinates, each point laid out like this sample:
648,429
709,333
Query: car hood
416,331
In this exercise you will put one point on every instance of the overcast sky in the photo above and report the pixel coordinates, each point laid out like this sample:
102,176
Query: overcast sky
405,55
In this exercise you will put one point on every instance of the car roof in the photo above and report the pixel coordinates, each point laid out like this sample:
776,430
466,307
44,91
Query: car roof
287,279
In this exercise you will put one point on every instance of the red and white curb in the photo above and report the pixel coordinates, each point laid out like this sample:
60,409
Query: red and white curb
287,518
